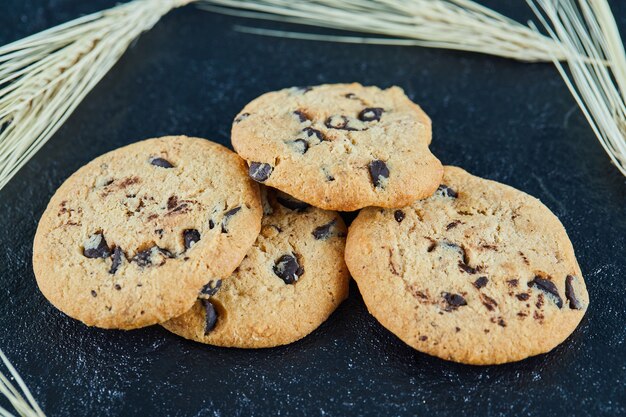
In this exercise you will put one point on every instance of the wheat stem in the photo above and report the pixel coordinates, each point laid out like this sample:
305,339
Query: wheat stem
588,27
451,24
26,407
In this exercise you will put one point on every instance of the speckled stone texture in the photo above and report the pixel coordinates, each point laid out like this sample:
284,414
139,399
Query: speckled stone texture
511,122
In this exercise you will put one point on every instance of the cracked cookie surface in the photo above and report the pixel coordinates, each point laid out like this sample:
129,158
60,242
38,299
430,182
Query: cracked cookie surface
479,273
291,280
129,239
339,146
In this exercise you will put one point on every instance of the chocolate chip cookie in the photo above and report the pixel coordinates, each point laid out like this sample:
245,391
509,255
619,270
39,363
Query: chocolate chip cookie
479,273
291,280
339,147
130,238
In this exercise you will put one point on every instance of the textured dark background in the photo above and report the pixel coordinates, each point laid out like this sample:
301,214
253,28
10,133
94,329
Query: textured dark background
511,122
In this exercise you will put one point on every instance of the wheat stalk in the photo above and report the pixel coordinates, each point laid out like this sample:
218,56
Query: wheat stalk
590,29
25,407
44,77
451,24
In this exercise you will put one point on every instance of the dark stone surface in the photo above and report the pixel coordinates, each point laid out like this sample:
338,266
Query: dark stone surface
511,122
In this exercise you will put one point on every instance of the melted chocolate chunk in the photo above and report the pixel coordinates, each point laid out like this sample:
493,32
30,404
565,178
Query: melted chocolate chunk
302,117
445,191
288,269
378,170
211,288
338,122
574,303
371,114
548,287
481,282
241,117
522,296
96,247
324,231
398,215
117,260
260,171
314,132
190,236
454,300
230,213
160,162
210,318
292,203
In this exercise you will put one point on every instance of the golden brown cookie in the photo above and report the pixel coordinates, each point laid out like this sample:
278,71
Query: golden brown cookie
291,280
130,238
479,273
339,146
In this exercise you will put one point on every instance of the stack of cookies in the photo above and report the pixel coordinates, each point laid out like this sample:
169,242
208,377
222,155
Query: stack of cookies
247,249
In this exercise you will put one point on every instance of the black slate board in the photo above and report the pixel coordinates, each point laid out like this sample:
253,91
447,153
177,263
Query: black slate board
511,122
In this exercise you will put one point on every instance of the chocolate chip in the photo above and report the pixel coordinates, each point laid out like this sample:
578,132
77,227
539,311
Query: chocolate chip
301,116
210,317
190,236
513,282
93,293
143,258
574,303
548,287
241,117
378,171
292,203
454,300
230,213
453,224
118,287
211,224
501,322
300,146
522,296
445,191
160,162
338,122
260,171
96,247
117,260
211,288
351,96
481,282
423,338
398,215
172,202
288,268
371,114
324,231
488,302
314,132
